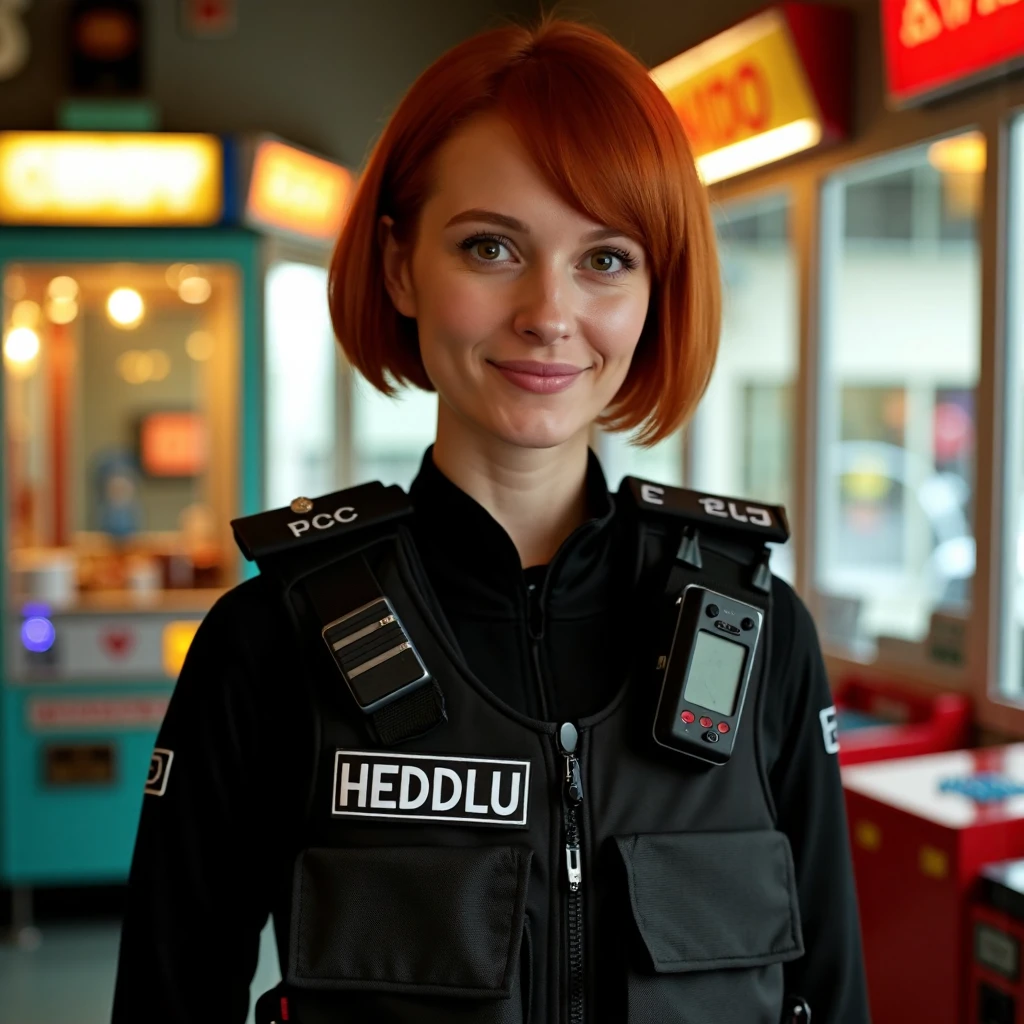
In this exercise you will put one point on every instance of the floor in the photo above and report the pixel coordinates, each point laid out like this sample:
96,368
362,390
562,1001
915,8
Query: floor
69,978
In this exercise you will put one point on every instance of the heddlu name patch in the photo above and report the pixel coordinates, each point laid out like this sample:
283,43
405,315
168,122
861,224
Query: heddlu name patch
425,787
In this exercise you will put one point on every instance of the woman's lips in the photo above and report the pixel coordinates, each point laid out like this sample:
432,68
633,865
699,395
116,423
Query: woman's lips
540,378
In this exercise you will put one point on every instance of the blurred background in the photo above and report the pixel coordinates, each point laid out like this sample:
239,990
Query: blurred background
172,176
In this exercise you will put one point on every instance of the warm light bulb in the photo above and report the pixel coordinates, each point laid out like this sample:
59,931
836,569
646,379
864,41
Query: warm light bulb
125,308
160,364
25,314
194,290
61,311
199,346
63,287
21,346
173,274
961,154
134,366
15,287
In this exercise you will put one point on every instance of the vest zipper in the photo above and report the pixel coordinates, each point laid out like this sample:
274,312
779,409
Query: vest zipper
572,798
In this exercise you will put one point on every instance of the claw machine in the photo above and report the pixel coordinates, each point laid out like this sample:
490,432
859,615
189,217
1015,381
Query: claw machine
134,271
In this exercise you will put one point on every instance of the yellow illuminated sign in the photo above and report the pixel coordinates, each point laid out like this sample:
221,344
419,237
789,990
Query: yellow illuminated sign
177,640
297,192
742,97
104,179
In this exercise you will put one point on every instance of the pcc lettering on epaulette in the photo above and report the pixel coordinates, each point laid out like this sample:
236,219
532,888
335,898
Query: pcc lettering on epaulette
307,520
425,787
324,520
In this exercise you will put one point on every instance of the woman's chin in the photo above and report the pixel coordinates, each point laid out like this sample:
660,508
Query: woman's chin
530,429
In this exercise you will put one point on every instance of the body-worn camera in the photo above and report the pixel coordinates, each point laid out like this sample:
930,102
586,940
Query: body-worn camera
706,675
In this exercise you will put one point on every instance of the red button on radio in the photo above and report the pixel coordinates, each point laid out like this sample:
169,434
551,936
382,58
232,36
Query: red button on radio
687,717
723,727
706,722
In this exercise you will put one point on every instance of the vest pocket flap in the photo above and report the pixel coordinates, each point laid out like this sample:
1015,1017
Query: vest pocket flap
412,919
709,900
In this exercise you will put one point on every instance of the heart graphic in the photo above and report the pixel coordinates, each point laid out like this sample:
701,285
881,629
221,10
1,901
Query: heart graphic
118,642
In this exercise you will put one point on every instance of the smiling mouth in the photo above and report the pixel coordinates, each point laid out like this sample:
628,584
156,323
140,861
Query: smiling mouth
539,378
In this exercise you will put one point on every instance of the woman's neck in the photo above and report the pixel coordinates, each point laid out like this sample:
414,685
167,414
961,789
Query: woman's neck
538,495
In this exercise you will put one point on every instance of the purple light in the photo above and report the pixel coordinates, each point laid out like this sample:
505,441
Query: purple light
38,634
35,609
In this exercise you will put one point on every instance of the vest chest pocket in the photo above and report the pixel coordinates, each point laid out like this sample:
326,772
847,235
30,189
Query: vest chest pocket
396,934
716,918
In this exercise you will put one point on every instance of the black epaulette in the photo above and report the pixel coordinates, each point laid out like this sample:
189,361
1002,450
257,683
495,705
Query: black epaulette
745,523
308,520
368,643
737,516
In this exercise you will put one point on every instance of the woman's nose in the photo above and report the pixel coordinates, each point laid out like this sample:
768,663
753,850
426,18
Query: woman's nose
544,313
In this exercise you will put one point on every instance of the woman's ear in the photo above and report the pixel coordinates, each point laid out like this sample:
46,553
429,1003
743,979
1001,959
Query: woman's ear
397,269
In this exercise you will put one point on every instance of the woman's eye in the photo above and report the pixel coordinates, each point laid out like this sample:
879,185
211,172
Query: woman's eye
488,250
611,262
604,261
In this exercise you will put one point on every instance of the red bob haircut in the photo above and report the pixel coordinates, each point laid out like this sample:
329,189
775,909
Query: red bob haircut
606,138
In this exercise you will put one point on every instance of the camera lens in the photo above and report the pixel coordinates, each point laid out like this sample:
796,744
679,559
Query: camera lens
712,610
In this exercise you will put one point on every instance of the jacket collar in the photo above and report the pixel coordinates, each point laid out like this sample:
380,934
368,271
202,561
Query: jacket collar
472,560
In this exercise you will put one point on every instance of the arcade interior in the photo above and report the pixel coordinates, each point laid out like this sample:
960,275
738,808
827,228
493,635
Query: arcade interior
172,178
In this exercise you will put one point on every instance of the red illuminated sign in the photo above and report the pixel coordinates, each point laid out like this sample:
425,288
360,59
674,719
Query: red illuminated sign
932,45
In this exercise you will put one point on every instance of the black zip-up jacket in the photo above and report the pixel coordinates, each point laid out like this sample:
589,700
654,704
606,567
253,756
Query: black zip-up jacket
215,852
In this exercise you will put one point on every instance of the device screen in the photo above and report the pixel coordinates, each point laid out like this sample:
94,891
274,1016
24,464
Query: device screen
716,670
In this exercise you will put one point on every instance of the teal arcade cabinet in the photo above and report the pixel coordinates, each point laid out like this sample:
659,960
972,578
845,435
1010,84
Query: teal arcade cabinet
133,269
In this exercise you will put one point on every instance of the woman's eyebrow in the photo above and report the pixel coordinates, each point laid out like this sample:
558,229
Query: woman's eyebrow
512,224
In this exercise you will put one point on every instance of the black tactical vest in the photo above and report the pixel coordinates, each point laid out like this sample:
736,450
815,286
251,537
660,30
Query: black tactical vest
438,879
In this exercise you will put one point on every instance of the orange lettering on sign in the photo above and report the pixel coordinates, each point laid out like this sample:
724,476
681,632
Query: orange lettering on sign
920,23
726,108
754,96
955,12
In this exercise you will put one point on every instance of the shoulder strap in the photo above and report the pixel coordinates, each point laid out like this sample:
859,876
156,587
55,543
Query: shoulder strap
316,550
737,528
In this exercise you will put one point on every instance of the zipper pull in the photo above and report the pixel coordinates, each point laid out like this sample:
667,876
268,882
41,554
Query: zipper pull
568,737
573,781
572,864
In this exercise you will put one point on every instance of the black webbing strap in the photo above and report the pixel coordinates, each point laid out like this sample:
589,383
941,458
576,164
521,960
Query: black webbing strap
688,565
411,716
348,586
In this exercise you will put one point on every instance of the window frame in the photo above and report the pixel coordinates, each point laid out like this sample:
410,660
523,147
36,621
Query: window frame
992,112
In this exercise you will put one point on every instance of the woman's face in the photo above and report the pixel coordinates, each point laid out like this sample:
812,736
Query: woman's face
528,312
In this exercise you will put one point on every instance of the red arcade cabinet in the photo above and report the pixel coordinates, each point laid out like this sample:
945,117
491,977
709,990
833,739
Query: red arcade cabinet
921,829
996,988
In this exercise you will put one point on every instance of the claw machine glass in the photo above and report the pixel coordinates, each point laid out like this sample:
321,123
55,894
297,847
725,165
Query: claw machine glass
167,366
121,406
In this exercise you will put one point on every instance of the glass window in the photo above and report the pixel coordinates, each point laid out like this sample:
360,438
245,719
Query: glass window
663,463
389,435
120,431
1011,563
899,363
301,420
743,430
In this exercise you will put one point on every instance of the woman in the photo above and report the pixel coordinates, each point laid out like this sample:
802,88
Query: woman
495,834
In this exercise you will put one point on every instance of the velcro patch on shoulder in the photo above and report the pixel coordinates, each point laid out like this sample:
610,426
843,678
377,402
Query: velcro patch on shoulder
309,520
430,788
735,515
